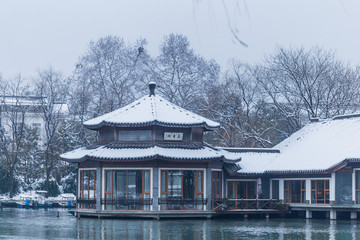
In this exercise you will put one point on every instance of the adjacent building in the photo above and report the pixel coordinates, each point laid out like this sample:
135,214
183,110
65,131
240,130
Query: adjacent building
316,169
28,110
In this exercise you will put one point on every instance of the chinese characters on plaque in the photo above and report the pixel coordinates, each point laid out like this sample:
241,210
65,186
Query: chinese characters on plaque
173,136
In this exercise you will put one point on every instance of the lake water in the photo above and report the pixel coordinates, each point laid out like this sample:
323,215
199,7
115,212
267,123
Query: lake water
43,224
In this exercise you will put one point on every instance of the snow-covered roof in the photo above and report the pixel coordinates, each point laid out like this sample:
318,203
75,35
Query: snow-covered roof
104,153
151,110
319,146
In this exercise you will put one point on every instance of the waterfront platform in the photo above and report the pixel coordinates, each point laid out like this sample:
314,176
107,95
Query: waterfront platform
175,214
220,208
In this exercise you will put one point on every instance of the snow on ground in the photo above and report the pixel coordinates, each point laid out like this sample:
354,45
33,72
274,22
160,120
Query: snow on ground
317,146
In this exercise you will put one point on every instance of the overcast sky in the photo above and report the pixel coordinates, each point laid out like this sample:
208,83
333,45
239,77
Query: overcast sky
36,34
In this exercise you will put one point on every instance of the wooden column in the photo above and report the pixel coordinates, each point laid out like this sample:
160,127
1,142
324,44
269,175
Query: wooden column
99,184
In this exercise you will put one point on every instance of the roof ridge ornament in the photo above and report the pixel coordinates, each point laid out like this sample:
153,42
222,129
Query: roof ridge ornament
152,86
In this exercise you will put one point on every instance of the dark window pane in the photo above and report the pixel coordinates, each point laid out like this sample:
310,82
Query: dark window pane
119,188
108,181
241,190
188,184
86,184
92,184
231,190
139,184
174,183
199,181
296,191
135,135
275,189
131,184
146,181
163,181
251,190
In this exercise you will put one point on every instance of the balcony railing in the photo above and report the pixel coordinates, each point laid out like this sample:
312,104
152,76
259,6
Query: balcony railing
177,203
224,204
127,203
86,203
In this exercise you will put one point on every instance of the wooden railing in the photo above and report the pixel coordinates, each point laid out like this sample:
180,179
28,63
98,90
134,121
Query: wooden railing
224,204
86,203
179,203
127,203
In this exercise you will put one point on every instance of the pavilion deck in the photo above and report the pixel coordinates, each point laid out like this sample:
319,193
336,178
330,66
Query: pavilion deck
221,207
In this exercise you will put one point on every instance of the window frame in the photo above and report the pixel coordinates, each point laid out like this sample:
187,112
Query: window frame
302,191
246,188
143,170
196,192
326,190
357,188
133,131
82,190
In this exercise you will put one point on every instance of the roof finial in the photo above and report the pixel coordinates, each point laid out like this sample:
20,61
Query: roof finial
152,86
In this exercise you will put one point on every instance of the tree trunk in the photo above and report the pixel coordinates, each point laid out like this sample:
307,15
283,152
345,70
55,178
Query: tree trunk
11,183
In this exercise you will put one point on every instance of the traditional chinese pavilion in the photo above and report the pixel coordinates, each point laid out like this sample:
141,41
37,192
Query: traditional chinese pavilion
150,160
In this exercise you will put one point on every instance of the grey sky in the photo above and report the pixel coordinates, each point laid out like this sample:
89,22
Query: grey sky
36,34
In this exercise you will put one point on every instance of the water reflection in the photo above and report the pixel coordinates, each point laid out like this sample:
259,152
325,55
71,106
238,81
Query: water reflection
42,224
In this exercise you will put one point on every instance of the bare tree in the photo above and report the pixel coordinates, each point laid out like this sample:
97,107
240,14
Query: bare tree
239,105
52,87
181,74
310,81
15,108
106,76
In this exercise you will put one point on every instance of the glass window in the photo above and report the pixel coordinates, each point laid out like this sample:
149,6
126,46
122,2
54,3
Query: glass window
320,191
174,183
294,191
251,189
128,189
231,190
216,186
92,184
87,188
86,184
242,189
163,181
275,189
357,187
199,181
108,181
146,181
135,135
182,190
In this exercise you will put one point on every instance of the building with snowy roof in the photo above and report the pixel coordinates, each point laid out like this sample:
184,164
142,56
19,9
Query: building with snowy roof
316,169
150,160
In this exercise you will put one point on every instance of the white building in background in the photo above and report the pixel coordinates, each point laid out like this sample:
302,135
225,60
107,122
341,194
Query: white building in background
15,110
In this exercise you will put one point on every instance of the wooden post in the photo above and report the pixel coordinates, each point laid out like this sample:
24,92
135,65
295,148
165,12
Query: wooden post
332,214
57,214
